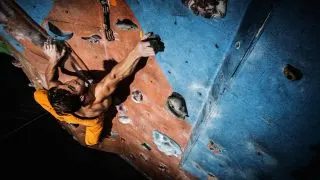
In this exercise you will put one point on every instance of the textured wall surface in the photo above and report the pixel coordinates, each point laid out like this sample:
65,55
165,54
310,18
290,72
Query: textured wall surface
263,125
195,46
246,119
254,123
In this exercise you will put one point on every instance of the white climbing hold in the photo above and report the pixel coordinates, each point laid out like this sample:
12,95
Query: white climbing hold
137,96
165,144
125,120
31,85
121,109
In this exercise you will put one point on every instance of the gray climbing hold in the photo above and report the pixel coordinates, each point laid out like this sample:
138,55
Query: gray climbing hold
31,85
162,167
177,105
137,96
208,8
92,39
125,120
114,134
57,34
122,110
126,24
75,138
165,144
238,45
213,147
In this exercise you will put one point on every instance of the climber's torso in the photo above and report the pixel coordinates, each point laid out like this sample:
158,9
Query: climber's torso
93,105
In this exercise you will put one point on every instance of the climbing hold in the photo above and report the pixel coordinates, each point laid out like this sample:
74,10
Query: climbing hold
57,34
162,167
292,73
132,157
238,45
165,144
121,109
126,24
75,138
208,8
31,85
211,177
92,39
114,134
155,42
137,96
146,146
144,157
196,165
124,120
123,140
16,63
177,105
213,147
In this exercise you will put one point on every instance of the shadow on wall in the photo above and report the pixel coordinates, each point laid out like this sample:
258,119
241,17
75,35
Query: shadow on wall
311,171
32,141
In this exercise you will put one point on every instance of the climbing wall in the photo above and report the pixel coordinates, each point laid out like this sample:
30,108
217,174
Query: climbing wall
253,115
195,46
249,81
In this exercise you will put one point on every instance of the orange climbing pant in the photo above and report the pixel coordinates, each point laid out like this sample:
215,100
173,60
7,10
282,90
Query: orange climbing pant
93,126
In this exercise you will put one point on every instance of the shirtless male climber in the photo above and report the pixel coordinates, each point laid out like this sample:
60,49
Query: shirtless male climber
72,102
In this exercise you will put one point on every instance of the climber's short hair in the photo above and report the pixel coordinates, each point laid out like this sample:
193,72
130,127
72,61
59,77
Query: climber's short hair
63,101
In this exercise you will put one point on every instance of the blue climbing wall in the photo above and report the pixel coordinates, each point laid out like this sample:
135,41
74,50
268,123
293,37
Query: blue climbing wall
38,10
249,121
195,47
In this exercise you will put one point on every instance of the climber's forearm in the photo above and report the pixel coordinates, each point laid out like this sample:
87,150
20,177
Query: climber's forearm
52,74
